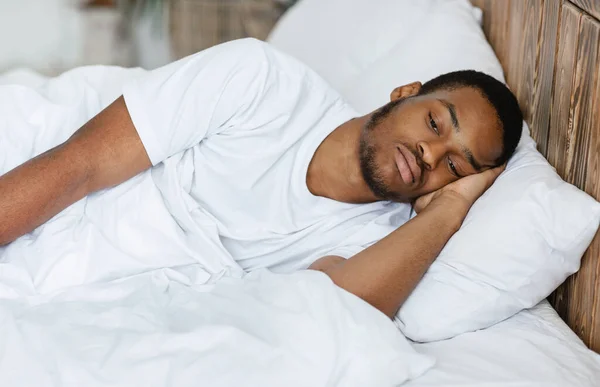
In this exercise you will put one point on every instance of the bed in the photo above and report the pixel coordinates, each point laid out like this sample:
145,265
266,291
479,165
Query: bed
550,53
121,319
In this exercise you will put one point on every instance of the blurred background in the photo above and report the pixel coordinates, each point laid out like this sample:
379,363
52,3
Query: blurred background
52,36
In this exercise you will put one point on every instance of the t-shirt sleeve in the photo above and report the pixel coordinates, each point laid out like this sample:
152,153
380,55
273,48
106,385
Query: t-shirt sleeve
176,106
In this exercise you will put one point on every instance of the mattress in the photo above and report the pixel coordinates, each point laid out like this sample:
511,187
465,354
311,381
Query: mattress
533,348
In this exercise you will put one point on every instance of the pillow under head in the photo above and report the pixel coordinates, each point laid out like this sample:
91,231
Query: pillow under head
526,234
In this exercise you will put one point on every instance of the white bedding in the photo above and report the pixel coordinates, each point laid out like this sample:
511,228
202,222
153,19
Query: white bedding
111,293
533,348
162,329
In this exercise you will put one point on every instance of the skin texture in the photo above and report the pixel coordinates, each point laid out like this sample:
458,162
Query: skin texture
408,124
108,151
386,273
103,153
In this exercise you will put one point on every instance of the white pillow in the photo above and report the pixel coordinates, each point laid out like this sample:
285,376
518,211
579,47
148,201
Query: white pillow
365,48
519,242
526,234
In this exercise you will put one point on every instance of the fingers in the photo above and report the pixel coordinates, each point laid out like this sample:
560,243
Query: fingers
493,173
470,187
490,177
501,168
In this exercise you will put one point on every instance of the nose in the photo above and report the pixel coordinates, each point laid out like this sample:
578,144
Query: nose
431,153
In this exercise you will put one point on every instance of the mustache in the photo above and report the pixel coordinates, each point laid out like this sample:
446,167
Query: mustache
420,162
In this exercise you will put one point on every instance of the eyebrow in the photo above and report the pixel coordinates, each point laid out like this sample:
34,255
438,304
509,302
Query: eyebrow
471,159
452,111
467,152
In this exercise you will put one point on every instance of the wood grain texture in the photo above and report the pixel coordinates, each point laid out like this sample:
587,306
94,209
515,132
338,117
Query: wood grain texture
561,116
522,61
590,6
479,3
550,53
523,34
496,22
579,298
544,75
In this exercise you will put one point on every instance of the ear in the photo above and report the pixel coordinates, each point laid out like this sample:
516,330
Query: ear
405,91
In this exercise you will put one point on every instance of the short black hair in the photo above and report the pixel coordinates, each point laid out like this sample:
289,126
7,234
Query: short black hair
498,95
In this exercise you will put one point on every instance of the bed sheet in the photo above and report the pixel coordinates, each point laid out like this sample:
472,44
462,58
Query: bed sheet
130,309
114,291
533,348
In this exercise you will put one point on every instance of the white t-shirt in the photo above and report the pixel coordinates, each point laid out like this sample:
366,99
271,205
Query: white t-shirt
231,132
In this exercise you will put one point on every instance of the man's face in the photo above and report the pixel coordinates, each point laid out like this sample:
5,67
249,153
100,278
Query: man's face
428,141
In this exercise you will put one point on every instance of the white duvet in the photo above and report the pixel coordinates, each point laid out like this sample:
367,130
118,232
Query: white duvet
112,292
162,329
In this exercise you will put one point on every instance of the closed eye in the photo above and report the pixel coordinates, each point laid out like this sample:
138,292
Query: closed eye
433,124
453,168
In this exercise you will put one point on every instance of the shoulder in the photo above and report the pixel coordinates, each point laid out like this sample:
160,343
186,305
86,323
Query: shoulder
248,51
256,53
274,75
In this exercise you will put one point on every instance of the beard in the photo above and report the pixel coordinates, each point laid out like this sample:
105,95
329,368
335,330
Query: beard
371,171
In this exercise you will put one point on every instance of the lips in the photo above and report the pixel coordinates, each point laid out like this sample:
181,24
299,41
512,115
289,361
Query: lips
410,172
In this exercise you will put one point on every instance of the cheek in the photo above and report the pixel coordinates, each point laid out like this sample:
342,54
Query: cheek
381,145
386,164
436,180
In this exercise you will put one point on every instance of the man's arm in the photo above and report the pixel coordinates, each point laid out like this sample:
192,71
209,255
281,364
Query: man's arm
103,153
386,273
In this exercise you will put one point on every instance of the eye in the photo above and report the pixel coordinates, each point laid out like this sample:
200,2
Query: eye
453,168
433,124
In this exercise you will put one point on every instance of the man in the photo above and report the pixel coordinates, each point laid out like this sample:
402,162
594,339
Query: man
291,178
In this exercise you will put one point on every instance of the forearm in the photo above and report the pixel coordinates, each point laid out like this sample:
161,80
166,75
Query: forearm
39,189
105,152
386,273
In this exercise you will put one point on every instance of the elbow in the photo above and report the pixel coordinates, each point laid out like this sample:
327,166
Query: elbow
5,239
326,263
6,235
372,295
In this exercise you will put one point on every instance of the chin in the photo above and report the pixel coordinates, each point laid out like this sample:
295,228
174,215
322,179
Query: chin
396,191
380,173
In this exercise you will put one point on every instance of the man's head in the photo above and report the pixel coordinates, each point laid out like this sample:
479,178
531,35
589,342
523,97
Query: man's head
430,135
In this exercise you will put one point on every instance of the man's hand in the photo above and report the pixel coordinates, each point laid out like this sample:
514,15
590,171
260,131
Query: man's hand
467,189
385,273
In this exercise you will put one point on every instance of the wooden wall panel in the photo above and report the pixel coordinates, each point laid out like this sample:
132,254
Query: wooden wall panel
521,63
576,147
478,3
496,24
561,128
550,53
590,6
523,34
545,58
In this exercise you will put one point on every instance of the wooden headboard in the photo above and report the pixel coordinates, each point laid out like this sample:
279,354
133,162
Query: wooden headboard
550,53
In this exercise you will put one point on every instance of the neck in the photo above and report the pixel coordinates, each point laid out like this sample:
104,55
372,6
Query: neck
334,171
